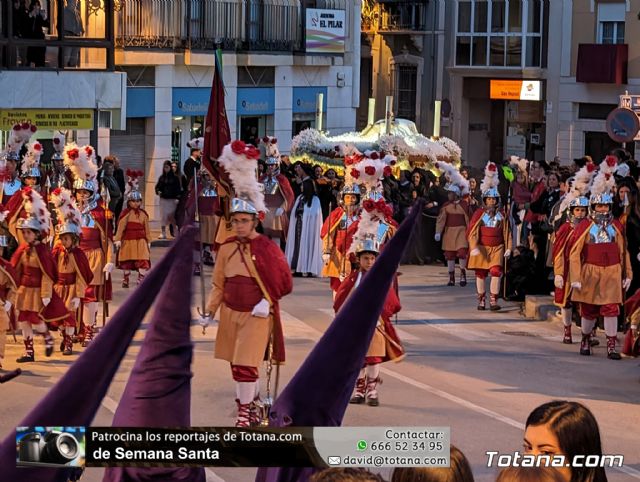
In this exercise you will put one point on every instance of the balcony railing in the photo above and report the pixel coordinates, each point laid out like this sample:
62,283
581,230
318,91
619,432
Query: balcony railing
243,25
396,17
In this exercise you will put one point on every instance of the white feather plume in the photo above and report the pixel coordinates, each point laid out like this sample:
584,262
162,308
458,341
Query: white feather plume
196,143
271,146
242,171
65,206
36,208
59,140
3,216
80,160
367,229
491,179
604,182
32,157
519,163
453,176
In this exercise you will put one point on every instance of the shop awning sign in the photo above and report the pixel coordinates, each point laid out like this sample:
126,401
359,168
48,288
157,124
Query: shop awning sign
515,90
48,119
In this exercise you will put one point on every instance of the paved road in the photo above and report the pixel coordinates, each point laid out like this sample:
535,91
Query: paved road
480,373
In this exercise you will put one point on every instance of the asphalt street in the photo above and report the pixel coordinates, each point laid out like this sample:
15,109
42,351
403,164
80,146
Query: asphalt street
480,373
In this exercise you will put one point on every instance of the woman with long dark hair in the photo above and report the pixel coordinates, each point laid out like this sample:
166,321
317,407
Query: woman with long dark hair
422,248
569,429
304,245
459,470
169,189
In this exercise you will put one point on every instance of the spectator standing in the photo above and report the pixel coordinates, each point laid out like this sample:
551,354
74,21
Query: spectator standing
72,28
192,164
422,248
110,184
169,189
34,29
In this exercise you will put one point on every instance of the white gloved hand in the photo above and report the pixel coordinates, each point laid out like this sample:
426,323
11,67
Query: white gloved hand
626,283
507,253
205,321
558,281
75,303
261,310
475,252
638,257
279,212
108,268
117,244
46,301
7,306
576,285
326,257
437,237
149,247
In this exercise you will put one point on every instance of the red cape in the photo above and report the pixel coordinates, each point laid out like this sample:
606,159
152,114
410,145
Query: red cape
80,259
56,310
330,224
390,308
126,211
275,276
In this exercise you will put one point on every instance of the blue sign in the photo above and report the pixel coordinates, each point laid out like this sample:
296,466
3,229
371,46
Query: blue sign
190,101
141,102
622,125
255,101
305,98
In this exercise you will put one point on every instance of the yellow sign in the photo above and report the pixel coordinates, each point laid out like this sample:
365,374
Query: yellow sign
48,119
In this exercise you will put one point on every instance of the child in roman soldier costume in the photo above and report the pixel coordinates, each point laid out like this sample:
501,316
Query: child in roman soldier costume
30,173
74,272
208,216
278,195
250,277
8,287
337,235
59,175
36,301
452,222
133,236
96,240
599,266
489,241
385,344
576,205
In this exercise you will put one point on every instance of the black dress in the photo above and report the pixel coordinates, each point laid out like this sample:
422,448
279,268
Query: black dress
34,30
308,191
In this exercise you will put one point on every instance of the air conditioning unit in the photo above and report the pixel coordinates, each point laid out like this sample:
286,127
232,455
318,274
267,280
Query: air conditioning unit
104,119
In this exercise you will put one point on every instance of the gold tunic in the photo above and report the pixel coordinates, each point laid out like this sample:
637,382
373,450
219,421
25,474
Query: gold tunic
28,298
453,237
133,249
67,265
242,338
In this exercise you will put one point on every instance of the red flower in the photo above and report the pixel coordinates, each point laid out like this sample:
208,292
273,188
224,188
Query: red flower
73,154
261,215
129,172
37,146
140,173
265,139
88,150
591,167
252,152
17,127
386,171
274,140
238,147
25,125
355,173
374,155
370,170
368,205
33,128
611,161
492,167
56,140
607,176
348,160
57,191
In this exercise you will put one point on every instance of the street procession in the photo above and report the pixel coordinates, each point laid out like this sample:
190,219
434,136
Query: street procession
319,242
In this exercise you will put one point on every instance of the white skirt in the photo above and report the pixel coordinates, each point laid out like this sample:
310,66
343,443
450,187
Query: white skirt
310,248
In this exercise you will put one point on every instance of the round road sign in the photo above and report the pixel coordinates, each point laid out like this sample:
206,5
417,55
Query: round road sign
622,124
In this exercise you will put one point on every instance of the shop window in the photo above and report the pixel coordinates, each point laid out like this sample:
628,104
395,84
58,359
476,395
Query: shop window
500,33
594,111
405,91
611,23
256,76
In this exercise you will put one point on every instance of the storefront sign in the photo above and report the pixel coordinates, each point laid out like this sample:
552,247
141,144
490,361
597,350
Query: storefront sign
515,89
190,101
255,101
306,98
325,31
48,119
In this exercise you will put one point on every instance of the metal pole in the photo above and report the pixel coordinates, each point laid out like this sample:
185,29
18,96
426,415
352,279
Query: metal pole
371,114
202,310
319,107
388,115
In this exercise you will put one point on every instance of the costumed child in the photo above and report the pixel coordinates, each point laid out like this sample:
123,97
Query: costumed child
385,344
8,287
74,272
133,236
37,303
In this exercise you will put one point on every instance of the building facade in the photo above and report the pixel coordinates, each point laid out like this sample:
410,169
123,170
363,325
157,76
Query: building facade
272,76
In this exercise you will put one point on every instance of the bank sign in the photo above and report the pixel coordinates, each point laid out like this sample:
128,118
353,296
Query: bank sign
255,101
325,31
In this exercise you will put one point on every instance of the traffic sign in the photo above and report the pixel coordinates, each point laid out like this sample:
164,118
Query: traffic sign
622,125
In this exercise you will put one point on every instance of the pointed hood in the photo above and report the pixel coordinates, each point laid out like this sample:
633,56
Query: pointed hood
319,392
158,393
106,352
